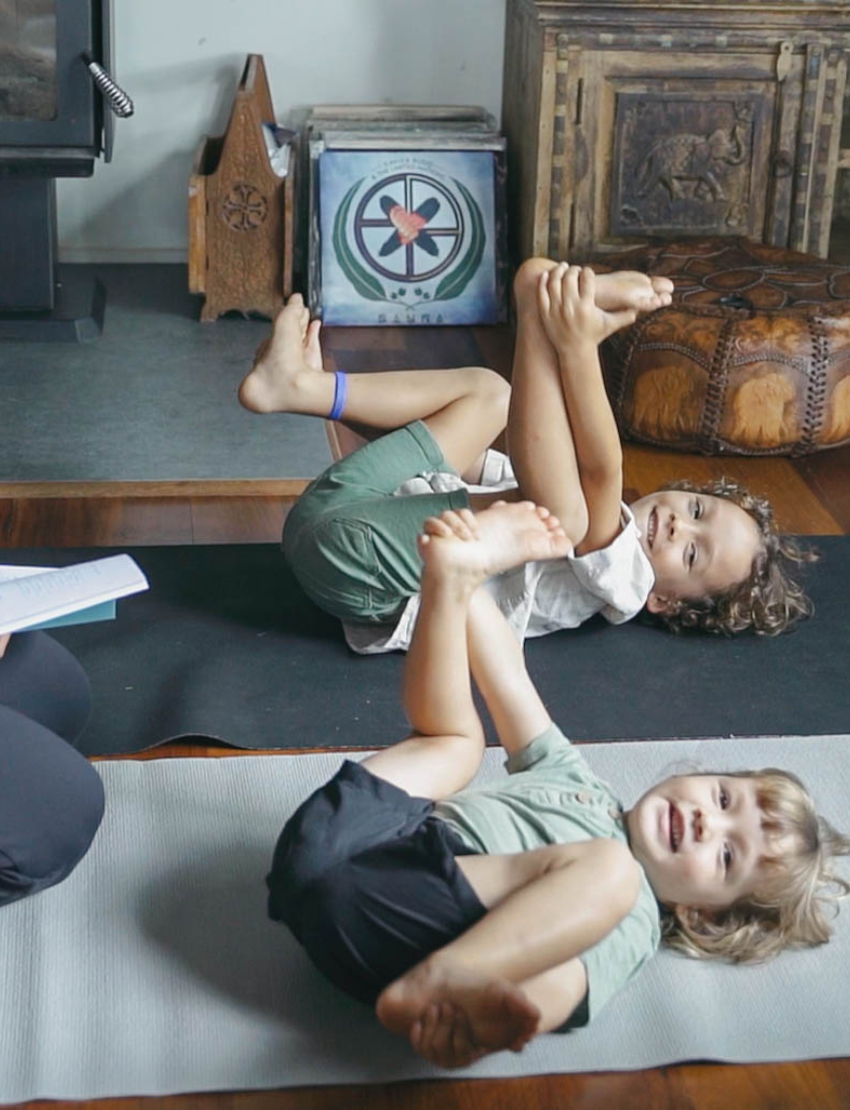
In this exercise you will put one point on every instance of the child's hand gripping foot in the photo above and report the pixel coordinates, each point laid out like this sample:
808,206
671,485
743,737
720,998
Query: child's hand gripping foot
475,546
282,361
571,316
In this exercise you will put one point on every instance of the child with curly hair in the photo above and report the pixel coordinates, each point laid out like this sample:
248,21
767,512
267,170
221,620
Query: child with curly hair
693,557
475,917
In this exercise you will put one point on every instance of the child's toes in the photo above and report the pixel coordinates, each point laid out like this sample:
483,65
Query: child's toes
436,526
456,524
467,516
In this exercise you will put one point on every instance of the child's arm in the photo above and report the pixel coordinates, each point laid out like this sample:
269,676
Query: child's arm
498,666
459,552
461,628
448,742
517,971
436,689
576,327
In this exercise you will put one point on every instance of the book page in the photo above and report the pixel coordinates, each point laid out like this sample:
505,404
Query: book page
8,571
41,594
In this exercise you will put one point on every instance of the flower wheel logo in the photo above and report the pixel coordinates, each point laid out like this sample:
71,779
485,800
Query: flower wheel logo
244,208
416,215
408,226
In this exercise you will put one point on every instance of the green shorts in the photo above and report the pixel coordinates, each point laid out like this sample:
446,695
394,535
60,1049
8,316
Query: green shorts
350,543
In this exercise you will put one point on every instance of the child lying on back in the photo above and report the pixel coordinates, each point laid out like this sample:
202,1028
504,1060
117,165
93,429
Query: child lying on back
705,557
473,919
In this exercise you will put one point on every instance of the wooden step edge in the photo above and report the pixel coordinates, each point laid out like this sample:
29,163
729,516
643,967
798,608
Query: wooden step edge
248,487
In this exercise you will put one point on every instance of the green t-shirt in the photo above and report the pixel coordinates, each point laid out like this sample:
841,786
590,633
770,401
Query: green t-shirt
551,796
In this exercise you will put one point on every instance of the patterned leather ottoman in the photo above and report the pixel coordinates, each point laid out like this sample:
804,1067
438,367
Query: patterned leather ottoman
751,358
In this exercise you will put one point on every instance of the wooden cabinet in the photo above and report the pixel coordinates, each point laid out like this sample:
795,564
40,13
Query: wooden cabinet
629,120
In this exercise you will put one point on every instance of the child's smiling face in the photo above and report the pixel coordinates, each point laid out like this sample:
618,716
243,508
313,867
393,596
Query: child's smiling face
698,544
700,839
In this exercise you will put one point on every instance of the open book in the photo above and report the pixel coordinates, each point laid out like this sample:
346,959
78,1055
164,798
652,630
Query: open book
42,597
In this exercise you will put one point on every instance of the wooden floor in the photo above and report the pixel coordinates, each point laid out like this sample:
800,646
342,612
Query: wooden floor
811,496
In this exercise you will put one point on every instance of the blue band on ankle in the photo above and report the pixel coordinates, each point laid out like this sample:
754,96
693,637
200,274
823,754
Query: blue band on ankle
340,393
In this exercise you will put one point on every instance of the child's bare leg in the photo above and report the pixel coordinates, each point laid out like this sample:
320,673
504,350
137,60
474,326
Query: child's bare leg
540,438
459,551
540,434
464,408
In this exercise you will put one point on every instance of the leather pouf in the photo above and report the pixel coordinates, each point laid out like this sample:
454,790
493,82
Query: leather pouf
751,358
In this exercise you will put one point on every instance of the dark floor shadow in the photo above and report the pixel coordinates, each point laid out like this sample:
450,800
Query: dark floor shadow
159,287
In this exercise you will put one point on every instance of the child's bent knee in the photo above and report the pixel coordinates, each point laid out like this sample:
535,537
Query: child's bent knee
492,390
528,275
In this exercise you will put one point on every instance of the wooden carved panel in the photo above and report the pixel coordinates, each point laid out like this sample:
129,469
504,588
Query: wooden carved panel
686,163
629,120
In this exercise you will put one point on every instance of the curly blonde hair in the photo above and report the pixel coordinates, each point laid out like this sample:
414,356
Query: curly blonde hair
769,600
791,907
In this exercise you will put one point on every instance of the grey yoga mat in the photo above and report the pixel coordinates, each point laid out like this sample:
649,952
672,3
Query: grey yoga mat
153,969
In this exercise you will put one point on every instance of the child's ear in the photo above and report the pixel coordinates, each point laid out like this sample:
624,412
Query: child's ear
655,603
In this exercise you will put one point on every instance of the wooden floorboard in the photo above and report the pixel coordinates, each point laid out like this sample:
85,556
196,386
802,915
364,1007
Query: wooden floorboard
184,487
811,496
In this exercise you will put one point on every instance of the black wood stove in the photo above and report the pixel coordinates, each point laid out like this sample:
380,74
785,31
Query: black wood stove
57,100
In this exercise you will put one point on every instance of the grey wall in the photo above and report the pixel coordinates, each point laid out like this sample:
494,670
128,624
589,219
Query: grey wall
180,60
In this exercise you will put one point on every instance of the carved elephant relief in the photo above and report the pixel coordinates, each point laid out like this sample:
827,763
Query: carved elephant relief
690,166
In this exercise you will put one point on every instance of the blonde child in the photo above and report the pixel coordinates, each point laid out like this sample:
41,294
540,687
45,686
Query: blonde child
707,558
475,918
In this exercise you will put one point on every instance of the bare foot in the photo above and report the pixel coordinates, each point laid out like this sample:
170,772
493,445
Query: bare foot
282,361
453,1017
630,289
474,546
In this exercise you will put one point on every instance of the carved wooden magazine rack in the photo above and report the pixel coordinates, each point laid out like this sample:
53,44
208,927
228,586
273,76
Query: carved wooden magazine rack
240,210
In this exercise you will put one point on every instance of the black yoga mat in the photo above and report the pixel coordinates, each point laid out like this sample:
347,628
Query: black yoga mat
225,645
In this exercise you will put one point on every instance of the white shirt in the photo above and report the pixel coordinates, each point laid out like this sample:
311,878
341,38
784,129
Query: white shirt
542,597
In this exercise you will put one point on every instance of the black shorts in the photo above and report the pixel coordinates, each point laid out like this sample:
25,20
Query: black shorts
365,877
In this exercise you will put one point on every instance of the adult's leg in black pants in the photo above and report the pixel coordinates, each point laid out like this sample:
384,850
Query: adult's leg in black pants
51,798
41,679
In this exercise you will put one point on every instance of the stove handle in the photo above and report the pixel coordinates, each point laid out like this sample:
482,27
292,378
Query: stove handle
113,94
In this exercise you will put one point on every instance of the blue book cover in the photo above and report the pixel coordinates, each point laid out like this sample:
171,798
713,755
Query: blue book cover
105,611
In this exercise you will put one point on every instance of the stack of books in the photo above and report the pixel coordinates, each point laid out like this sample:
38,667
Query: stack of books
406,215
